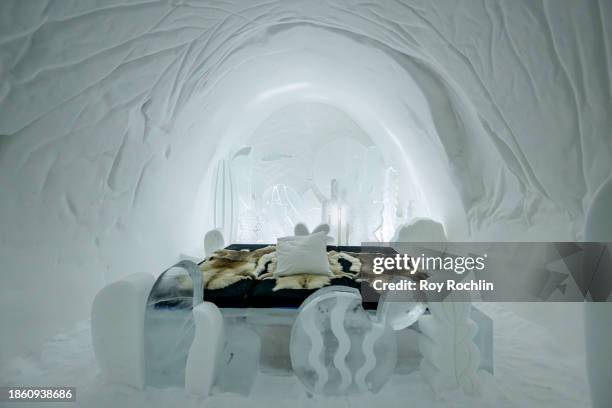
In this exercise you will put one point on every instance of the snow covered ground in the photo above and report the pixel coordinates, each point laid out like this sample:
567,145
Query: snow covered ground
532,369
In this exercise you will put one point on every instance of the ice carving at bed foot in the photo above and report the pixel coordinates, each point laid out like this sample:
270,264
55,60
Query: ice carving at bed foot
450,356
337,348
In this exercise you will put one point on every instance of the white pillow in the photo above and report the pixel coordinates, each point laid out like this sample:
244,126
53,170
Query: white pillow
302,254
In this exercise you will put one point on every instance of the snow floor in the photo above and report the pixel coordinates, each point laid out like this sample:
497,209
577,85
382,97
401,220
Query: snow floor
532,369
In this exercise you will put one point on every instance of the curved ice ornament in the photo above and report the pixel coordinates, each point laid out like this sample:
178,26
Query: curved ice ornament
338,348
170,330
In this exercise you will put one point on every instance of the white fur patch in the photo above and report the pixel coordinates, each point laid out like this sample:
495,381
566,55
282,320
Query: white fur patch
261,264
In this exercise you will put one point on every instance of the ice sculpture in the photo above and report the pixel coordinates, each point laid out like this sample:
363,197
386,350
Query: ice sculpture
401,309
337,348
450,357
224,206
301,229
391,210
137,343
332,209
420,230
117,329
311,163
170,326
213,241
280,211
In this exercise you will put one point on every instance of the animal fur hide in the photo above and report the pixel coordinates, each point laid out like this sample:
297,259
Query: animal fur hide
302,281
336,267
226,267
361,269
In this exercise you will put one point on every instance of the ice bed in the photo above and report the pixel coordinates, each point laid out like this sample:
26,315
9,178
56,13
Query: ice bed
146,332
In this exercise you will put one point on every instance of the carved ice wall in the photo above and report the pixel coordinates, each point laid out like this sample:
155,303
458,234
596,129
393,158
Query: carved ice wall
114,114
283,175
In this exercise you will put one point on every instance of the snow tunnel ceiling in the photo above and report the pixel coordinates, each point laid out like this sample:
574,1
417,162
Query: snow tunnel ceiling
115,114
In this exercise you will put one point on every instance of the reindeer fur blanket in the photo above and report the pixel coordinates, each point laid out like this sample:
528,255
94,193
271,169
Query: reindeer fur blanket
226,267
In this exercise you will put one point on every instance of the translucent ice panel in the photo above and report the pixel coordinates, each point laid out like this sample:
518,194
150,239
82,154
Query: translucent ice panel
336,346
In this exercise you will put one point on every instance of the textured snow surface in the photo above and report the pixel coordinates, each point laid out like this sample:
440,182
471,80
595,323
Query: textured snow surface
113,112
532,370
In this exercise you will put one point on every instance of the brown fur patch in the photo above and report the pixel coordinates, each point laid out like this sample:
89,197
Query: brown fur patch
302,281
226,267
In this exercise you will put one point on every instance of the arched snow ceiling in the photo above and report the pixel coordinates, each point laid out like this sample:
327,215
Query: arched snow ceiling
108,121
